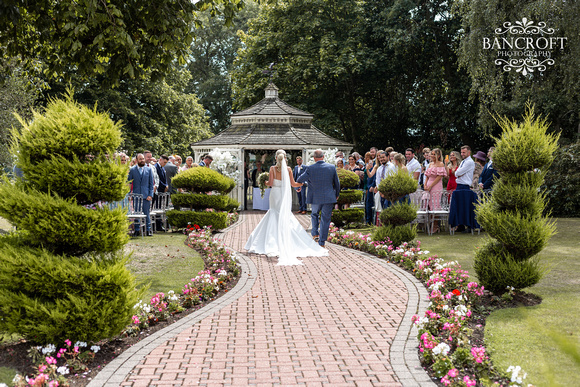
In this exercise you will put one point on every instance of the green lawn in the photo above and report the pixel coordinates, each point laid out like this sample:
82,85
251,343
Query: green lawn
522,336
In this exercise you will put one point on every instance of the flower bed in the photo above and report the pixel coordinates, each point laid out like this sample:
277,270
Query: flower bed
221,267
446,348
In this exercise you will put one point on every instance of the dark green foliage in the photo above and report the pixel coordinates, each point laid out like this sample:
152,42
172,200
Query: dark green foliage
201,179
562,183
397,234
349,196
49,298
346,216
61,225
397,185
180,219
348,179
398,214
496,269
513,213
233,205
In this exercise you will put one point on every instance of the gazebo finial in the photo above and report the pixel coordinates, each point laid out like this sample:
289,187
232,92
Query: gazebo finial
271,91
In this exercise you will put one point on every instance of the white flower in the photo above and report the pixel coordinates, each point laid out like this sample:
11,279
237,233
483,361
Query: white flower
515,378
62,370
80,344
50,348
3,385
460,310
441,349
95,348
17,378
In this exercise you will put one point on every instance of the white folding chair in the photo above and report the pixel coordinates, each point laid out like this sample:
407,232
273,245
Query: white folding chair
420,199
135,211
441,213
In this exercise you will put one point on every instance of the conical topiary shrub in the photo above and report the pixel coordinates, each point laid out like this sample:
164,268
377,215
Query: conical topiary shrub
396,219
348,195
61,276
198,207
512,215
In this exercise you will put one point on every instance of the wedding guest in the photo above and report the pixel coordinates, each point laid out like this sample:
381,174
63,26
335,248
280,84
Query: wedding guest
382,172
178,161
462,206
339,164
188,164
256,172
370,170
207,159
489,173
452,166
150,162
434,182
141,177
171,170
479,163
399,161
424,165
413,165
358,159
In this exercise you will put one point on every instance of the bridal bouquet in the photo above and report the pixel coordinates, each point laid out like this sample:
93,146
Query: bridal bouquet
262,179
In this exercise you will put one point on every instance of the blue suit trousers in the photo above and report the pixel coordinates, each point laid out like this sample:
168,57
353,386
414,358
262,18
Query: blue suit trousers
320,217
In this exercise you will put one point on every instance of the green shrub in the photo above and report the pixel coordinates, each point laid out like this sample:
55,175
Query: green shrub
180,219
346,216
350,196
513,213
397,185
563,181
397,234
496,269
233,205
49,298
200,201
61,225
348,179
398,214
201,179
524,146
86,181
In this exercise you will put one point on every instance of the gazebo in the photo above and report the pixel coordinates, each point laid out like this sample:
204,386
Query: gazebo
265,127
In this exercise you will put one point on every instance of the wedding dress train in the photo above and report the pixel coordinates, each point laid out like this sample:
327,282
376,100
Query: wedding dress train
279,233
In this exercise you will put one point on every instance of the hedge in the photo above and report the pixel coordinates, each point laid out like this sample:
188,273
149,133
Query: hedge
180,219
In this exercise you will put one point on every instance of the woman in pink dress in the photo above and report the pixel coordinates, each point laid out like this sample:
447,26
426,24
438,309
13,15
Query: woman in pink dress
434,182
454,158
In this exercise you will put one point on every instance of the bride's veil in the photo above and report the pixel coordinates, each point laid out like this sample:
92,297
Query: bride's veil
284,242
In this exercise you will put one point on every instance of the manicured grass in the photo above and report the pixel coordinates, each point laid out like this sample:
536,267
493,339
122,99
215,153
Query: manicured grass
522,336
163,262
7,375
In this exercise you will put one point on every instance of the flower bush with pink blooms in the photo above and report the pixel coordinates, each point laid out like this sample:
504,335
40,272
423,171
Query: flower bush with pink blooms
444,332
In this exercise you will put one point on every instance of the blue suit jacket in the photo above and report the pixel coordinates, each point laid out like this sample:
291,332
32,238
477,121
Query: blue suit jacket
323,183
142,184
487,176
295,171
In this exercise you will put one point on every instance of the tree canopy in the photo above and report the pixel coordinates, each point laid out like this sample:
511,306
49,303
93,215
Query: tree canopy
374,73
113,38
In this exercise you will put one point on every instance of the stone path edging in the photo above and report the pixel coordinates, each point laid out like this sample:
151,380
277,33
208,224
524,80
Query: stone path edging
114,373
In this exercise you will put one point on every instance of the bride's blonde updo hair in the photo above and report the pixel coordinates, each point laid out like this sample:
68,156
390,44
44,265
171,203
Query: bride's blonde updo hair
280,155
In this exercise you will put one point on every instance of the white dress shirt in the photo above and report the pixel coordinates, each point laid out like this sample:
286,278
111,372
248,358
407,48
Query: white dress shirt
384,171
413,166
464,173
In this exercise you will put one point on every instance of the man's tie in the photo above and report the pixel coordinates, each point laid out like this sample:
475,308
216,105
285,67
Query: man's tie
383,172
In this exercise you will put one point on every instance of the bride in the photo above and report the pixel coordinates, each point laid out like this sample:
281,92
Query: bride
279,233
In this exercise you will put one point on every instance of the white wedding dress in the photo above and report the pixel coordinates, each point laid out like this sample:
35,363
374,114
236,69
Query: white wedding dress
279,233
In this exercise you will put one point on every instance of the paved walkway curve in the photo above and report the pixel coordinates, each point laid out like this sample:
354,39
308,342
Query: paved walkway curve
338,320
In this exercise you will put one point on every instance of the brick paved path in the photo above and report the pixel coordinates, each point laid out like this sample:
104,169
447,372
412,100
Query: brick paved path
337,320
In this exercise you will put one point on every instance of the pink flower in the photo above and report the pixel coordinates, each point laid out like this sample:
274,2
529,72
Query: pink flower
468,382
445,380
68,342
453,372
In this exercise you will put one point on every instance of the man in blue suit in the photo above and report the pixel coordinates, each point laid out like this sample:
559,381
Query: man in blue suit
143,183
488,174
299,170
323,191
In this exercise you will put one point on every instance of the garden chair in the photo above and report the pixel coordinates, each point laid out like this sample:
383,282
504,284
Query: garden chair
135,211
159,209
441,214
420,199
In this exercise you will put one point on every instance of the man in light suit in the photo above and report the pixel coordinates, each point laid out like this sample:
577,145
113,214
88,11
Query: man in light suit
299,170
489,173
143,183
323,191
171,170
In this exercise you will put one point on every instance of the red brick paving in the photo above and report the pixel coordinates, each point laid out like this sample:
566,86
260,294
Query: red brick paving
330,321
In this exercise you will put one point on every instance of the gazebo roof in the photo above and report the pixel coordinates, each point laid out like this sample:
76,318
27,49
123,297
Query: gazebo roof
272,123
272,105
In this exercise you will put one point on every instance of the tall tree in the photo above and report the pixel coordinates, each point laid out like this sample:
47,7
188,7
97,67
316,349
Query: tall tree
115,38
211,61
378,72
157,115
555,91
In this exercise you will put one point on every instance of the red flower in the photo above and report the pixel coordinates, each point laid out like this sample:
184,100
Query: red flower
197,227
456,292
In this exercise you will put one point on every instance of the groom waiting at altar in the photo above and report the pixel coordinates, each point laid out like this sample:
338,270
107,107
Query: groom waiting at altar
323,191
299,170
